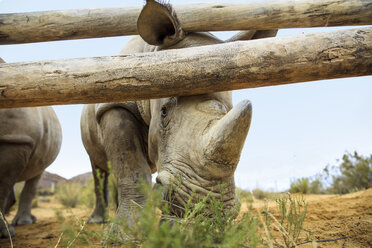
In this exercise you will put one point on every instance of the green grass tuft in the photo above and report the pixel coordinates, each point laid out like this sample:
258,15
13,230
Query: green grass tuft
205,223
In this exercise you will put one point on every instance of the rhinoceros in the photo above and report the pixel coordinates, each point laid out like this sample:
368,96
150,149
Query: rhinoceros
192,141
30,139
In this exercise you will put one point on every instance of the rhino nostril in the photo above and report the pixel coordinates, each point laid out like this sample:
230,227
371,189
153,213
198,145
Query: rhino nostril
158,181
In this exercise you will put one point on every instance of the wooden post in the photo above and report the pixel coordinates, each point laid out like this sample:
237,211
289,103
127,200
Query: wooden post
230,66
94,23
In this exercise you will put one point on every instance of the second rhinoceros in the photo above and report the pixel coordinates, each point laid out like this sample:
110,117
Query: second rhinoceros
192,141
30,140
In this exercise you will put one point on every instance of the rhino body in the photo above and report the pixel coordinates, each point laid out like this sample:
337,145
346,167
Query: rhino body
30,139
193,142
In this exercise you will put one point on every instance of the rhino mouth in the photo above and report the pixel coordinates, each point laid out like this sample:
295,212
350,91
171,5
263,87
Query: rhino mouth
182,189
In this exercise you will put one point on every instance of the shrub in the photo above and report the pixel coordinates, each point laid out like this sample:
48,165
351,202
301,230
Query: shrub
44,192
35,202
300,185
113,191
17,194
292,213
263,195
246,196
316,186
68,194
87,196
18,187
206,224
243,195
355,173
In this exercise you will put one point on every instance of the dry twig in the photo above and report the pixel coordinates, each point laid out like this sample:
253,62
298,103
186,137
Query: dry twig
322,240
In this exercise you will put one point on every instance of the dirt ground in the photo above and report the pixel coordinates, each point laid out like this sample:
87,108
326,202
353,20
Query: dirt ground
329,217
335,216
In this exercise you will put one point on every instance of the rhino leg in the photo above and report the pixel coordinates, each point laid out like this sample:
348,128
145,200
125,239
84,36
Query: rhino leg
4,225
124,147
24,215
101,191
10,201
13,160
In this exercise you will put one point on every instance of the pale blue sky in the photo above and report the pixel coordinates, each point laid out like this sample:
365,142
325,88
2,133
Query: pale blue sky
296,129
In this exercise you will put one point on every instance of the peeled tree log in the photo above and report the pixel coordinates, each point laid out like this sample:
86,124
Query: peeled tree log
197,70
94,23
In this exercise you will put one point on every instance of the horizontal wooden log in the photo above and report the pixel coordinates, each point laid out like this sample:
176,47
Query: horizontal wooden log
230,66
106,22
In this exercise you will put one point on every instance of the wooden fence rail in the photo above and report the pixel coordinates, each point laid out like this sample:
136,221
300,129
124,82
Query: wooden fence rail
94,23
197,70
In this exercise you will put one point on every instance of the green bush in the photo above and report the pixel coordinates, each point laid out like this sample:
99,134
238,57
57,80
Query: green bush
44,192
17,193
113,191
87,196
18,187
244,195
69,194
263,195
301,185
308,185
35,202
292,215
354,173
205,224
316,186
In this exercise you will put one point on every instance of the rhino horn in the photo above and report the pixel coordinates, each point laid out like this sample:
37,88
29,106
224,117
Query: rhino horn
224,140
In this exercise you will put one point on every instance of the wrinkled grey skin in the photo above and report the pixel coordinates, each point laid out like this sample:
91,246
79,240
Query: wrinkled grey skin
193,142
30,139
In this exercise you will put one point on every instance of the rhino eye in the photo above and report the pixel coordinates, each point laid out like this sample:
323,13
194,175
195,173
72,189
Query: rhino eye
163,112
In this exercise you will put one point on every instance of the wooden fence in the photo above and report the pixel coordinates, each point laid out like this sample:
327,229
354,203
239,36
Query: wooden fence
230,66
94,23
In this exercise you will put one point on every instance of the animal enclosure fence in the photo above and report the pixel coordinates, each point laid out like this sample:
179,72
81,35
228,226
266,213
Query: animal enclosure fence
236,65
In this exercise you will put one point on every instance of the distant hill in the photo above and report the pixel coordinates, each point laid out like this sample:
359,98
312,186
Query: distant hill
48,179
81,179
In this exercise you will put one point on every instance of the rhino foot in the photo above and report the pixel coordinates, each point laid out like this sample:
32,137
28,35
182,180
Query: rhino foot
95,219
114,235
4,231
24,220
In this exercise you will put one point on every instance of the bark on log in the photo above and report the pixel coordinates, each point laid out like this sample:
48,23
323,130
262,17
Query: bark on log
230,66
95,23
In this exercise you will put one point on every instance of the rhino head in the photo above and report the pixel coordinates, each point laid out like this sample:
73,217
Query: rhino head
194,141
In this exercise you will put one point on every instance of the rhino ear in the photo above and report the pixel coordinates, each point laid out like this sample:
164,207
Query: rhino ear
158,24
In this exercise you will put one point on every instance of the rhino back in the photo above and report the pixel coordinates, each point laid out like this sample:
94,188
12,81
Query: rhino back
37,127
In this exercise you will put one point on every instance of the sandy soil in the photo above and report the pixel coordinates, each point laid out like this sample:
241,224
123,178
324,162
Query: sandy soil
46,232
329,217
335,216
